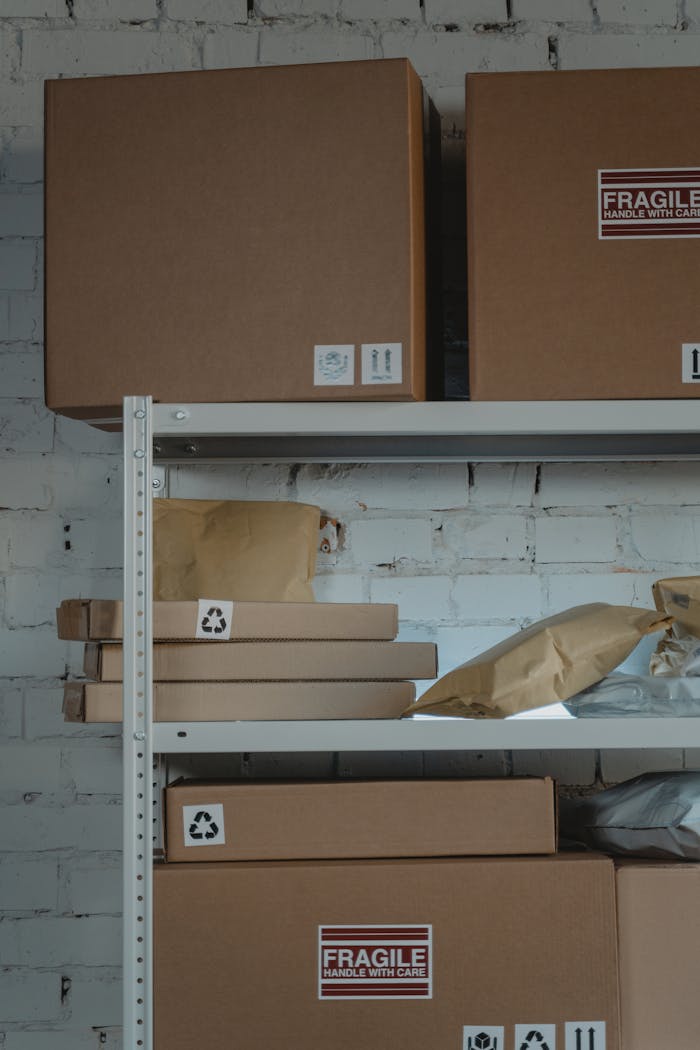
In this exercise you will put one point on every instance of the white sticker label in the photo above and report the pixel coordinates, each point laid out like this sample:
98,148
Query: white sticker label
214,620
483,1037
585,1035
375,962
334,365
204,825
691,362
381,363
535,1037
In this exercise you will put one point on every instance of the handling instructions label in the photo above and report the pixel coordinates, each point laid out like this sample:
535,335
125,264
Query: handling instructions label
375,962
585,1035
483,1037
648,202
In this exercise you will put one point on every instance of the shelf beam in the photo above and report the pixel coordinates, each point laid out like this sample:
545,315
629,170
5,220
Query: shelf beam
428,431
429,734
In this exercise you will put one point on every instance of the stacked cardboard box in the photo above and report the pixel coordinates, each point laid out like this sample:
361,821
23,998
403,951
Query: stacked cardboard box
287,240
658,908
273,660
413,914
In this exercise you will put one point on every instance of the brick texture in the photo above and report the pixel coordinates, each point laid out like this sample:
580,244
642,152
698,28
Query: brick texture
471,553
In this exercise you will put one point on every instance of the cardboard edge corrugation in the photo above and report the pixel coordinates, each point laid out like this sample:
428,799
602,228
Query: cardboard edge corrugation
471,213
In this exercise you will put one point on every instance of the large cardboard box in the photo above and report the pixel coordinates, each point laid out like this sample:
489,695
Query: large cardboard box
84,619
659,944
234,701
583,224
447,954
271,661
235,235
246,820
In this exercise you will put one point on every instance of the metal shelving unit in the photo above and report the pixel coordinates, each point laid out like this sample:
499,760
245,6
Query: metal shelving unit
387,432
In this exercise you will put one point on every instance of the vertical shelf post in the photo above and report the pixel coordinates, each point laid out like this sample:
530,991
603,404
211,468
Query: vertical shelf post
137,725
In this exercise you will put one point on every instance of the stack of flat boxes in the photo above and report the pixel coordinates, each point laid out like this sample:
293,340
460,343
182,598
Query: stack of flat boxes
275,660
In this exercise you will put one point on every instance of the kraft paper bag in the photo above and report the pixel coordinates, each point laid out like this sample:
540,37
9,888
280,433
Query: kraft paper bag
678,652
545,663
235,550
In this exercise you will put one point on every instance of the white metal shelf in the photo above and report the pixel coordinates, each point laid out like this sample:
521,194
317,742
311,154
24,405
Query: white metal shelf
435,734
352,433
428,431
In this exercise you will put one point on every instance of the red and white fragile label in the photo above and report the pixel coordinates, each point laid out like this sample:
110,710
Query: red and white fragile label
375,962
648,202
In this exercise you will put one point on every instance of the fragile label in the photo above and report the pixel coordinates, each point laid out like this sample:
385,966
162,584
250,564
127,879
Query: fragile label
375,962
648,202
334,365
483,1037
585,1035
204,825
535,1037
214,620
381,363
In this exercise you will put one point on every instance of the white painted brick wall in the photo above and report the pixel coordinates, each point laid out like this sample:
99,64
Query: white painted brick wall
471,555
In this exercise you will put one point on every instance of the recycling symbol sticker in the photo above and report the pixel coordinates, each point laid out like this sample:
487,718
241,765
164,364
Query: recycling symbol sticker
214,620
204,825
535,1036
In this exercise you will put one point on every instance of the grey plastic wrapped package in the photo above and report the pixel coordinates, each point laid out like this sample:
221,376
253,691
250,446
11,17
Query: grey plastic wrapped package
655,815
640,696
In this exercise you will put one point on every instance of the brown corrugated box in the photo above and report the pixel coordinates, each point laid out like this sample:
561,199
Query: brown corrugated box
251,949
232,701
555,309
658,908
235,235
83,619
271,661
370,818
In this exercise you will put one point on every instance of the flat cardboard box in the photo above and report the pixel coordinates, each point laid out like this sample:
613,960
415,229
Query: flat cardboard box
658,909
569,300
235,701
450,949
85,619
362,818
235,235
271,661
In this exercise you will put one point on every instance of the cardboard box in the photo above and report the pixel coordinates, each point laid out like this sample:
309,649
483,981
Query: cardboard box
84,619
659,945
370,818
456,953
234,701
271,661
583,223
255,235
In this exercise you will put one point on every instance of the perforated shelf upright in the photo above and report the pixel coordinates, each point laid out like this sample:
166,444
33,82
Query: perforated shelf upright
437,432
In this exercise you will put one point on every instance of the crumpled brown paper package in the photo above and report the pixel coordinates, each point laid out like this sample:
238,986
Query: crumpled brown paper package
678,652
547,662
235,550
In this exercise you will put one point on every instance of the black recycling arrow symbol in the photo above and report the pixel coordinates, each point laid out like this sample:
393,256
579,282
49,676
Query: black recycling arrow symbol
214,622
534,1038
211,830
